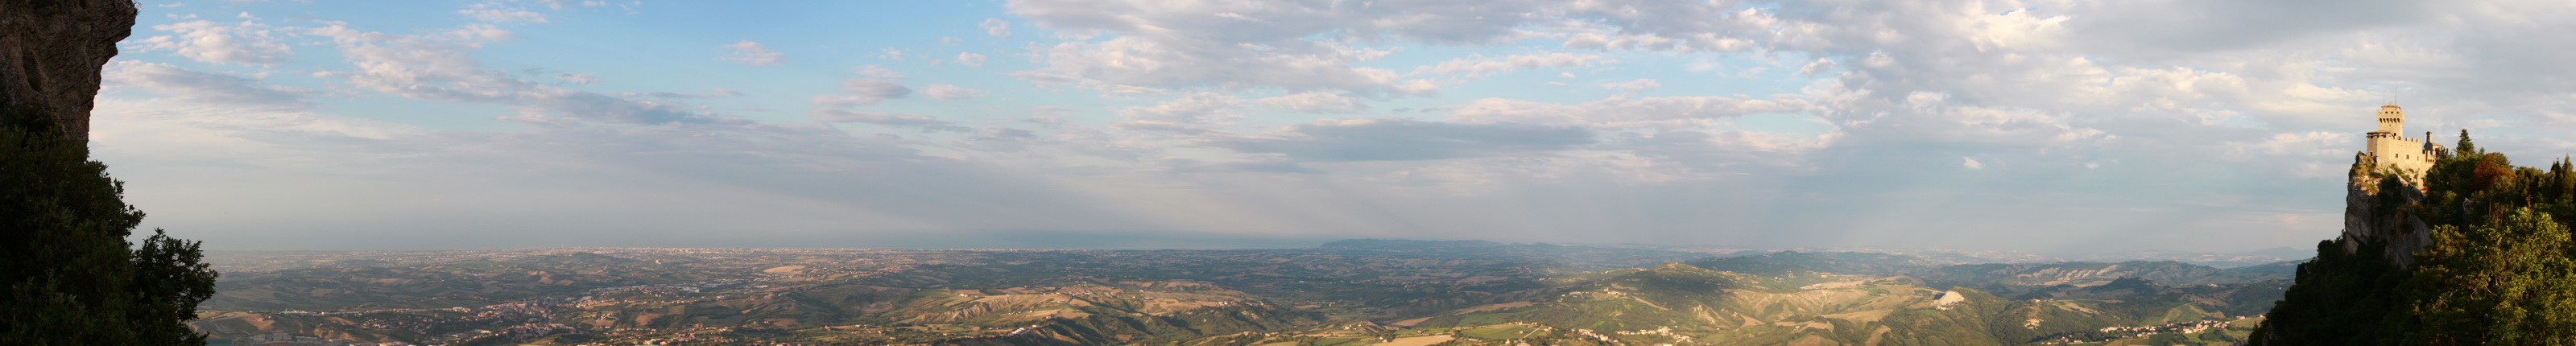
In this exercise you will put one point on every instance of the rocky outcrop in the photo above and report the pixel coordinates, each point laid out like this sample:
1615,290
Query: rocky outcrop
51,52
2380,210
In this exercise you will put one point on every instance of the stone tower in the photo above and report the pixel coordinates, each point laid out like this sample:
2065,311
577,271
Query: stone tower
2389,146
2392,119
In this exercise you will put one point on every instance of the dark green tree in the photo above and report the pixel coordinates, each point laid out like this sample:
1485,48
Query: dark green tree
68,276
2504,283
2466,147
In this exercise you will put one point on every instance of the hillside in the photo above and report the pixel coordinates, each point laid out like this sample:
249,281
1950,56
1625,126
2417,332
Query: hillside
2476,253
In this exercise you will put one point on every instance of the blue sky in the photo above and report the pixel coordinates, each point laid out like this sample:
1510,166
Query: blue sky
2046,126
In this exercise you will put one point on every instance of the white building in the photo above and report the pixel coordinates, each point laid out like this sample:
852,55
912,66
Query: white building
2393,151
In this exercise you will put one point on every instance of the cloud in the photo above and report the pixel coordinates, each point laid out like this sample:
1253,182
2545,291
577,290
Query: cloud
497,13
1623,112
577,78
1052,110
970,59
752,53
711,93
1293,46
880,72
1391,139
1131,62
888,119
862,92
801,183
245,43
1001,139
1972,163
1193,114
1479,67
204,88
440,67
1819,66
1726,151
1315,102
2202,25
951,92
2314,154
1633,87
996,27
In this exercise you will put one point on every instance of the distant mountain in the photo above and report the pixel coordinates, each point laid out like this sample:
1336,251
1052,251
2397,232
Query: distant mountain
2213,259
1581,258
1411,245
1952,256
1855,263
1999,278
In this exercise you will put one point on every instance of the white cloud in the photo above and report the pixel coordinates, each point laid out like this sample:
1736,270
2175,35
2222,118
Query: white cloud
1295,46
204,88
1390,139
753,53
1193,114
498,13
440,67
951,92
1130,62
1719,153
1315,102
1633,87
1052,110
888,119
996,27
246,43
1479,67
1819,66
880,72
970,59
862,92
1972,163
577,78
1621,112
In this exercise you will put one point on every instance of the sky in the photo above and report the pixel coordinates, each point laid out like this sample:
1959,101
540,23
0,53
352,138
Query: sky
2043,126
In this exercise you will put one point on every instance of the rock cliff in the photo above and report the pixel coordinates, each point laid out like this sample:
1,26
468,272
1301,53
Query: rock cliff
2384,210
51,52
2381,210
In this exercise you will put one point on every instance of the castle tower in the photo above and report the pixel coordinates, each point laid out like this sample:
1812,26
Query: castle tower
2394,151
2392,119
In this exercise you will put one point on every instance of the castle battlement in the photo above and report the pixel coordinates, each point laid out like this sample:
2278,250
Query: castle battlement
2395,137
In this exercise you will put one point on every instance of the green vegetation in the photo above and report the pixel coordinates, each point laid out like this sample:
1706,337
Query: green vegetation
2494,272
70,276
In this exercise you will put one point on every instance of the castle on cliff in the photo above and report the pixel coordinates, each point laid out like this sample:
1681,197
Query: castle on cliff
2393,151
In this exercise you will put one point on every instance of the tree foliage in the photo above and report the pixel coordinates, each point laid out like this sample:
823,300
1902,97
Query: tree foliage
2505,283
68,276
2497,269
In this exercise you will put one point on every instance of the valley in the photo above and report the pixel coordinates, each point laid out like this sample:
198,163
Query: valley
1359,292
